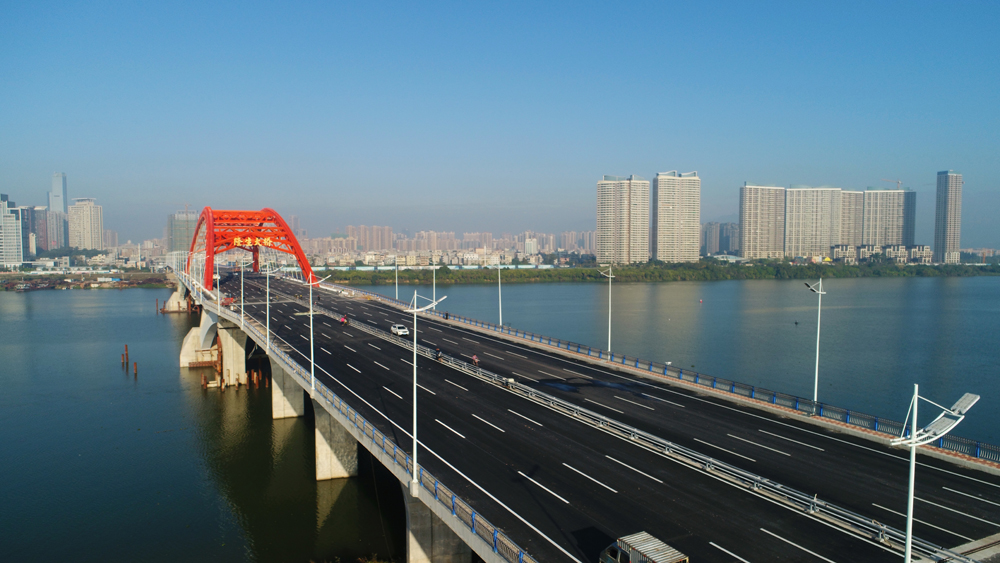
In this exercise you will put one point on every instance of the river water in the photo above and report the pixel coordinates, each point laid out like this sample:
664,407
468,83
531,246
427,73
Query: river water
878,337
100,465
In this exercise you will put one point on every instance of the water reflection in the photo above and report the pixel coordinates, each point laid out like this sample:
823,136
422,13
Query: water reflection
266,471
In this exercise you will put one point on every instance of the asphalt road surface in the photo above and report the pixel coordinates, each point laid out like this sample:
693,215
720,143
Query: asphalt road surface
564,490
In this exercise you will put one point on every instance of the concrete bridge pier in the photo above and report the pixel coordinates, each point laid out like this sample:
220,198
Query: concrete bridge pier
198,346
287,397
177,302
336,448
233,342
428,539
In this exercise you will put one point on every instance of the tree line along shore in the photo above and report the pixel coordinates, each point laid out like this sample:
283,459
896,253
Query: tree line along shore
700,271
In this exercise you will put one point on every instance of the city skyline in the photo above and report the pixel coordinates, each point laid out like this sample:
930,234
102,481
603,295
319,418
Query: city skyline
496,135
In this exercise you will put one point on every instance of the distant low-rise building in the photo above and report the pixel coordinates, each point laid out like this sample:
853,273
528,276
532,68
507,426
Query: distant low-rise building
921,254
846,253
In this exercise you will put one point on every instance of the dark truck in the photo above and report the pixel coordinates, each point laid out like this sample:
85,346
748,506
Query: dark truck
641,548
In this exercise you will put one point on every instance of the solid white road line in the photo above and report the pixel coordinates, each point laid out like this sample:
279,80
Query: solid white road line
591,478
456,385
605,406
391,391
491,424
543,487
550,375
349,348
922,522
633,469
577,373
518,355
426,389
524,417
524,376
634,403
374,346
725,450
790,440
492,356
727,552
971,496
354,368
381,366
449,428
797,545
956,511
758,445
663,400
452,341
470,340
325,350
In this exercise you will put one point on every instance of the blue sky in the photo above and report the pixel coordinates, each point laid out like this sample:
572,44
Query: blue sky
497,116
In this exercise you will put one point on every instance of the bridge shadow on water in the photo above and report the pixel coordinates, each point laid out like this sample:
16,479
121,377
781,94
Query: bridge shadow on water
265,469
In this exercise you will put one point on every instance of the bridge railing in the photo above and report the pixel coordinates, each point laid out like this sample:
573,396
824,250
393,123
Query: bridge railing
965,446
494,537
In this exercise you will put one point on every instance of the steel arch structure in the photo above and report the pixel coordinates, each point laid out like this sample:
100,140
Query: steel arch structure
220,230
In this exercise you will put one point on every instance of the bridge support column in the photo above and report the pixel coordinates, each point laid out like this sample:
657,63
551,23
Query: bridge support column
234,353
287,397
428,539
177,302
198,347
336,448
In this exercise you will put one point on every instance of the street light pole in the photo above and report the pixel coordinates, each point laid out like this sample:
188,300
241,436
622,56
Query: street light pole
817,288
312,347
610,277
937,429
500,295
415,482
396,262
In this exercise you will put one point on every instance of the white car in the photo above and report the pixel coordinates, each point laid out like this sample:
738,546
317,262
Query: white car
399,330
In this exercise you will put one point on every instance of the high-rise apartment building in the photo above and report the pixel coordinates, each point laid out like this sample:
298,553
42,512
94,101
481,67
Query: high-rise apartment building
710,235
762,221
812,221
58,226
729,238
57,197
180,230
110,239
852,214
11,247
622,220
40,227
372,238
676,213
86,224
948,217
889,217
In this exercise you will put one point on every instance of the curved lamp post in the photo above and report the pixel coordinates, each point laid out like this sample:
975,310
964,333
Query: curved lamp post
817,288
414,483
944,423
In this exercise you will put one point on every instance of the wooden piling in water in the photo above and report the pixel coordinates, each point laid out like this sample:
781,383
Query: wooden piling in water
123,361
135,368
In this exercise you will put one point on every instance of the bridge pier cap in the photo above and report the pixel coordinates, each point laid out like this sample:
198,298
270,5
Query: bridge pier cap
218,231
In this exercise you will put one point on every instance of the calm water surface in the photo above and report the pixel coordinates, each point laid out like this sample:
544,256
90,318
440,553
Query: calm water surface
98,465
879,336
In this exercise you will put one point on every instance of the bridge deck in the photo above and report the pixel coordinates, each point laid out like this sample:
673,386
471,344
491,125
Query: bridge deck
581,487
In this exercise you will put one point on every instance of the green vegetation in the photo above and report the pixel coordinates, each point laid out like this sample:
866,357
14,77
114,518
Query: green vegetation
706,270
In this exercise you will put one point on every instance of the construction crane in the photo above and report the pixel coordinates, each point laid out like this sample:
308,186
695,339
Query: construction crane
899,183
